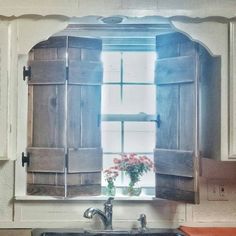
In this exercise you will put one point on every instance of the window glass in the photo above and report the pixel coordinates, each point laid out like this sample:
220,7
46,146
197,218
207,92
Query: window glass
111,100
139,67
111,136
139,137
129,99
111,66
139,98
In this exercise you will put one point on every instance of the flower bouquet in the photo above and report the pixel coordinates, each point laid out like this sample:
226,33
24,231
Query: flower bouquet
110,176
134,166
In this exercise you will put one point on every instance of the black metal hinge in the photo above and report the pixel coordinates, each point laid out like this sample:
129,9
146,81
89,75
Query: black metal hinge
67,73
26,72
25,159
158,121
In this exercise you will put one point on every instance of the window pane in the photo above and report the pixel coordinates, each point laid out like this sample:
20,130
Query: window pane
139,67
111,101
111,136
139,137
111,66
139,98
136,99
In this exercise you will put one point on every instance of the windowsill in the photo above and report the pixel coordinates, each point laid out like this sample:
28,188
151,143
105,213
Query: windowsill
85,198
147,194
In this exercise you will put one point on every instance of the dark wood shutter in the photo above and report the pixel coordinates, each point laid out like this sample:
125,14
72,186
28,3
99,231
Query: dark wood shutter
46,118
176,156
84,123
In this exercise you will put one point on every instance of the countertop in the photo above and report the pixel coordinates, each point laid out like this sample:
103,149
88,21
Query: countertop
209,231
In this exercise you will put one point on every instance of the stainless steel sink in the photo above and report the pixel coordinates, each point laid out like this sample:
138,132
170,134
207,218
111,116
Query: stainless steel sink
82,232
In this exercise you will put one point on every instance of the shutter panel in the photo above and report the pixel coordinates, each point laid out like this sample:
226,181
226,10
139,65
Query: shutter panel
46,118
175,156
84,125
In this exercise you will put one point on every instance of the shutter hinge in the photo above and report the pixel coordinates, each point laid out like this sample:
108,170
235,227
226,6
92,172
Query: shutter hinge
99,120
158,121
66,160
26,72
67,73
25,159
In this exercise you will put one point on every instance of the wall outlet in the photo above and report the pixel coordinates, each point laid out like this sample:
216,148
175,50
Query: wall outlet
217,190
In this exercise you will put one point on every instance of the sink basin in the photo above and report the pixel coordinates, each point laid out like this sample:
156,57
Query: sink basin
82,232
107,232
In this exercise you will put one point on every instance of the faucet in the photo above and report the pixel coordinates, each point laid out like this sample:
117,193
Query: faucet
143,222
105,216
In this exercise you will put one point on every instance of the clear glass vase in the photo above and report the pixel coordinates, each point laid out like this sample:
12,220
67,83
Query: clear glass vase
133,189
110,189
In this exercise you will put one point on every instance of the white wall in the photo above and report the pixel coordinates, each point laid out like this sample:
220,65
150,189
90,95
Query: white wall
69,214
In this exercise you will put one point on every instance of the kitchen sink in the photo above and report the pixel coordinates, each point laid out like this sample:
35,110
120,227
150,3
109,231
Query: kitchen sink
82,232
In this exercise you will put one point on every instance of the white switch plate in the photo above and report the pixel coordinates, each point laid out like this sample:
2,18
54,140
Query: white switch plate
217,190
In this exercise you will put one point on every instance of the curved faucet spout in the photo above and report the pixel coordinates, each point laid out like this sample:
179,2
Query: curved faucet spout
105,216
90,212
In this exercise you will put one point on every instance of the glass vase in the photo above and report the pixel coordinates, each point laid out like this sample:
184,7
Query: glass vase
133,189
110,189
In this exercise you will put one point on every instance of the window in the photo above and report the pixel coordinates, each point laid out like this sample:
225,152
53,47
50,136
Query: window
74,111
128,108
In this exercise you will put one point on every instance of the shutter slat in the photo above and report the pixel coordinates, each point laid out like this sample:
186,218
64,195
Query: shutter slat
85,72
84,184
88,178
85,160
45,190
167,108
48,72
90,116
48,110
175,70
187,117
45,54
175,188
44,178
176,182
85,43
84,190
174,162
74,116
46,159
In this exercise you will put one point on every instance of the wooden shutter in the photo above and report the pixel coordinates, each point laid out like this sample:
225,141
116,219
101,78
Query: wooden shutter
84,124
176,157
46,118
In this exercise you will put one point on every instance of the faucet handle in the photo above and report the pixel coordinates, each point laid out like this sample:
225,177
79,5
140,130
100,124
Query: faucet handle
143,221
108,201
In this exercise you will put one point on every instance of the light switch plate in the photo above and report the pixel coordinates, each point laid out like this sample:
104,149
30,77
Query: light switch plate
217,190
